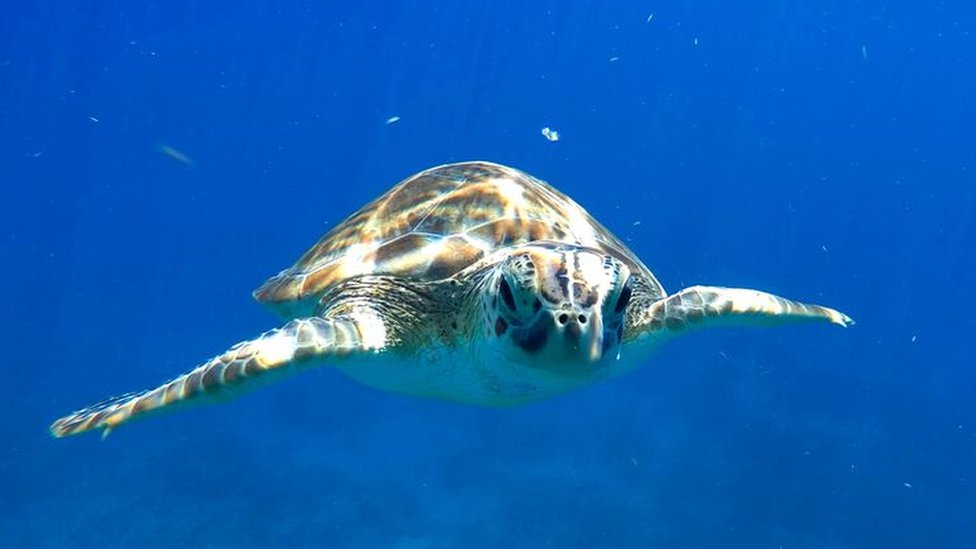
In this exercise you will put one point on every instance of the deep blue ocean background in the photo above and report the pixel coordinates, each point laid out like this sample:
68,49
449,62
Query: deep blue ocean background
821,150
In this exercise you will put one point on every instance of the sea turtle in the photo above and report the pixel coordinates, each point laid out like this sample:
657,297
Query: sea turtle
471,282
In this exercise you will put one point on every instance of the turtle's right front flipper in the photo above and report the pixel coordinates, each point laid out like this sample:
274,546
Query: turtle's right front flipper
298,344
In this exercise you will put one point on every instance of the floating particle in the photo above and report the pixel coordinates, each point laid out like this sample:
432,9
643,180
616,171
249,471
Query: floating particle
695,41
550,134
176,155
907,484
649,17
93,119
864,52
823,247
392,120
614,58
914,339
636,223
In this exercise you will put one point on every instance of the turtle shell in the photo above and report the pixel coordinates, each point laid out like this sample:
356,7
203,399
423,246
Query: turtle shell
436,223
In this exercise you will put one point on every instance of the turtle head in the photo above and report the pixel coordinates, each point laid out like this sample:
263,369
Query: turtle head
558,307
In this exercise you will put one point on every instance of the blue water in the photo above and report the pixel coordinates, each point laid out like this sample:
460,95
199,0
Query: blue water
160,160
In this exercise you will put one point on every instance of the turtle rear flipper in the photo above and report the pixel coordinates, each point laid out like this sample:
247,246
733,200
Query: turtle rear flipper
298,344
711,305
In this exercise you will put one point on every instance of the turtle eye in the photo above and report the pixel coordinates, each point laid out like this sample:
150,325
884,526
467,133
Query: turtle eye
506,291
624,298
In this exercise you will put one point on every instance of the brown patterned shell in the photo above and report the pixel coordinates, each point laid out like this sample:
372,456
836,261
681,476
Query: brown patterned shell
436,223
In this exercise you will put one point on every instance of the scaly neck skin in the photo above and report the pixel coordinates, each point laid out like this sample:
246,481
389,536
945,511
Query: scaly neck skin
640,339
640,310
445,312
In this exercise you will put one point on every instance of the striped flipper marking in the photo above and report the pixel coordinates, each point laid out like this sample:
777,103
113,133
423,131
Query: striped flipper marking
709,305
302,342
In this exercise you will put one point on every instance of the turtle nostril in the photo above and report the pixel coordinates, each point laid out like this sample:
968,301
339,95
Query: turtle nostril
563,318
581,319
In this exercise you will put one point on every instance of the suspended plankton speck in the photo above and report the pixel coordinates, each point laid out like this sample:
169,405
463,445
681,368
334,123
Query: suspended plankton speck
550,134
649,17
392,120
93,119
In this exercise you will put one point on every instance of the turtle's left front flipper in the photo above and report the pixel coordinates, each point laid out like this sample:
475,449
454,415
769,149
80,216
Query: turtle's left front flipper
298,344
710,305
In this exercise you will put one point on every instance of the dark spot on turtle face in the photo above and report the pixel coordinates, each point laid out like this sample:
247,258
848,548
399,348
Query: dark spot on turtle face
536,305
500,326
551,294
506,292
533,339
454,325
562,276
583,296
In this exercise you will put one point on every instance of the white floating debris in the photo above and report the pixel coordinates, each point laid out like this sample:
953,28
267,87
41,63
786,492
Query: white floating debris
823,247
695,41
907,484
392,120
93,119
649,17
914,339
550,134
176,154
864,52
636,223
614,58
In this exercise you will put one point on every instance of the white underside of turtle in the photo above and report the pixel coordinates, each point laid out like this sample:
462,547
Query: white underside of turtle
470,282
